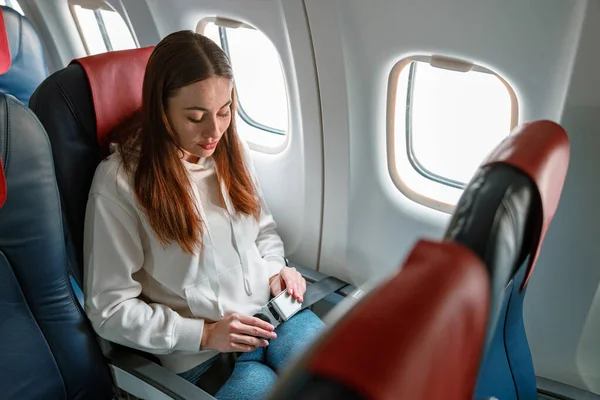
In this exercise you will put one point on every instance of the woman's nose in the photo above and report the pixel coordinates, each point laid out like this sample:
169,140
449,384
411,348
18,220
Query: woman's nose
211,130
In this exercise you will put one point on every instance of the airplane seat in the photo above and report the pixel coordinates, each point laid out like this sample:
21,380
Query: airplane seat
78,124
503,216
417,336
27,63
48,348
85,109
89,98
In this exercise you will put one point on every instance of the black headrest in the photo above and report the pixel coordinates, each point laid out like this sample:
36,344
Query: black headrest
496,218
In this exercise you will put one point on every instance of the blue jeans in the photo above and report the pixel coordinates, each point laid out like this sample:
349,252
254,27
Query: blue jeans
255,373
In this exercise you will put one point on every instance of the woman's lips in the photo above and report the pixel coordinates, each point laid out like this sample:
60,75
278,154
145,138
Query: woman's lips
209,146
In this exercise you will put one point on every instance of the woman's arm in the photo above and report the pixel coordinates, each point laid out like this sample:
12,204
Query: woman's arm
271,247
268,242
113,253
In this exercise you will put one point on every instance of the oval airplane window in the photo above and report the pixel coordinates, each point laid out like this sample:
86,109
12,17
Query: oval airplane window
263,115
445,117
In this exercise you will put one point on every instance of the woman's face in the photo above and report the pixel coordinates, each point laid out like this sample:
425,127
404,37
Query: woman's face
200,114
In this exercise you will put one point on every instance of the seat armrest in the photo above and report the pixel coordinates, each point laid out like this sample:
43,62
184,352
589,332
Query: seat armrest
146,379
313,276
559,390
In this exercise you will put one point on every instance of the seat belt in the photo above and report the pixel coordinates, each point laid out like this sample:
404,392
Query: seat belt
317,291
222,367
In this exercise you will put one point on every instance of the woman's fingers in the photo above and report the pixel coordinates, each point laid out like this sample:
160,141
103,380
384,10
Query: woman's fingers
248,340
289,285
297,294
297,286
248,320
242,347
294,283
303,286
257,322
252,326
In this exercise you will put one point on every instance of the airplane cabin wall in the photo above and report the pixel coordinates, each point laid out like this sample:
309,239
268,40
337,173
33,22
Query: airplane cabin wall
382,223
54,23
369,225
145,26
562,311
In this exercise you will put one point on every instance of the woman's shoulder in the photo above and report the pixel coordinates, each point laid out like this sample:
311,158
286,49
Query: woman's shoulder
111,179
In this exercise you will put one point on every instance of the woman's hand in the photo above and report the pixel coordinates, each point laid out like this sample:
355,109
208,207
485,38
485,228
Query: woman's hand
290,279
236,332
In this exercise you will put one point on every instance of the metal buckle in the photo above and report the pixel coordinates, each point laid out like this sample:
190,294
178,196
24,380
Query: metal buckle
272,314
267,315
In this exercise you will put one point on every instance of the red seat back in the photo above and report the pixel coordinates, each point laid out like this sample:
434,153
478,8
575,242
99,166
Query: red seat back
115,80
503,216
418,336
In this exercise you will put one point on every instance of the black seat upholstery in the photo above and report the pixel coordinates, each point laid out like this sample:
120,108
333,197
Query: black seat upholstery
72,127
48,349
70,124
28,65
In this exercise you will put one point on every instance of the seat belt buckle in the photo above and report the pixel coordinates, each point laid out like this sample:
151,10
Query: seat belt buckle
279,309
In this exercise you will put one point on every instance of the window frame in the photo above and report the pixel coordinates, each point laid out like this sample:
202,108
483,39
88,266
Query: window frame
442,62
11,4
223,22
101,25
240,109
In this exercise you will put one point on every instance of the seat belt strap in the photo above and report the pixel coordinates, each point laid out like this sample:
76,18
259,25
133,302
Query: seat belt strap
221,369
317,291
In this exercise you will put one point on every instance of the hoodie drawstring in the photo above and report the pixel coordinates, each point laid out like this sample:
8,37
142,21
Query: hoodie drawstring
209,256
237,242
212,272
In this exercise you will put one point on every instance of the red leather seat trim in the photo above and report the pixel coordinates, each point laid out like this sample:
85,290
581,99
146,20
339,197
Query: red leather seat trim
541,150
5,58
419,336
116,79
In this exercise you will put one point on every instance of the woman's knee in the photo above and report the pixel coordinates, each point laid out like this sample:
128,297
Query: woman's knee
249,380
293,337
305,323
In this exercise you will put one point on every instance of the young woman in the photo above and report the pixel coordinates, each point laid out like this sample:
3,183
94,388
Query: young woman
180,247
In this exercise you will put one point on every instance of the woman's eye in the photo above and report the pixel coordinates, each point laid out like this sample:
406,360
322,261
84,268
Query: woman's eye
195,121
224,115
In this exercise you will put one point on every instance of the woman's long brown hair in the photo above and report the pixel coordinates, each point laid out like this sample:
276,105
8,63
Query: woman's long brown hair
151,152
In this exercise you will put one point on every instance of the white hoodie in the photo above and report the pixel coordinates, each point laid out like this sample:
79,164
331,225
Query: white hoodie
156,299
